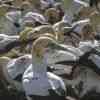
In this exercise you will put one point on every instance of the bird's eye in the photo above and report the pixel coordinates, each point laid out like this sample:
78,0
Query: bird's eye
17,25
51,45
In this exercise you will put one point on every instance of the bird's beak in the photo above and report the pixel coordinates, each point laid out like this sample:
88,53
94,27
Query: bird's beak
76,52
58,46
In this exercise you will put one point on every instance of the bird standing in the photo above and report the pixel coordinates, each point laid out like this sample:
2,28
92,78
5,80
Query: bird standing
37,82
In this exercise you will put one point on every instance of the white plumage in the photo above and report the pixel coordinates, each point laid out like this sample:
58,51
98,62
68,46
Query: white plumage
6,39
15,67
36,79
36,84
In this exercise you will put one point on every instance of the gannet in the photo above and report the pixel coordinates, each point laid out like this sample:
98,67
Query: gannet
36,80
86,45
95,20
71,30
88,49
52,56
13,69
78,25
52,15
34,33
33,19
26,6
8,45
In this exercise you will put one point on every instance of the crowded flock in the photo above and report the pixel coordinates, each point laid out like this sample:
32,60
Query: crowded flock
49,49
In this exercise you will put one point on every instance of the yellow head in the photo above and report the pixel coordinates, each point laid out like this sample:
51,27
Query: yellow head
88,32
95,20
85,12
24,33
26,6
4,61
33,33
4,9
42,44
39,46
52,15
59,30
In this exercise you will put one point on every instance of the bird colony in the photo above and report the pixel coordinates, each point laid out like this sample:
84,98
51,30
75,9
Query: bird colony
49,49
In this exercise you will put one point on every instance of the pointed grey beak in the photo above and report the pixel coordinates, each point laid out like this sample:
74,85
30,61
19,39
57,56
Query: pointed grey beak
75,51
57,46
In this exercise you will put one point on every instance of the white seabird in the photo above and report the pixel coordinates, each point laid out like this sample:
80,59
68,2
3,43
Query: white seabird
36,80
13,69
31,18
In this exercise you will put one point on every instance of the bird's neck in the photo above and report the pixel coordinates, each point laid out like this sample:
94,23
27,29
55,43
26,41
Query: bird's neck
39,66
